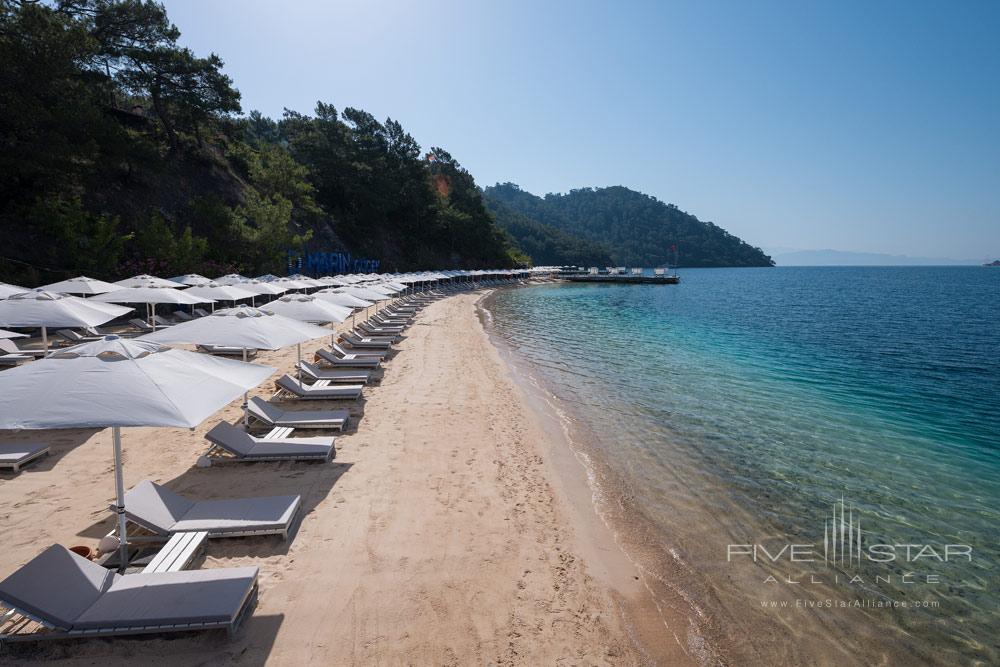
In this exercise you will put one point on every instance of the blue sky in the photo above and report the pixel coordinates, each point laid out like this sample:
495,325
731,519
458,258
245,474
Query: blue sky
857,126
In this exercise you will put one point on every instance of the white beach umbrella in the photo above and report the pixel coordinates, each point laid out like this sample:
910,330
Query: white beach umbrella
6,289
231,279
191,279
151,295
262,287
307,308
117,382
11,334
244,327
41,309
330,281
289,283
311,282
146,280
363,293
81,285
383,287
219,292
341,299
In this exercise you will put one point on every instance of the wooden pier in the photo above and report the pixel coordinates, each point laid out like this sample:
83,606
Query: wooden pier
623,278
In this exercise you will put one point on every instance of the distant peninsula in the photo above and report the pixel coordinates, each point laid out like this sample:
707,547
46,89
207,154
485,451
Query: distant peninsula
613,226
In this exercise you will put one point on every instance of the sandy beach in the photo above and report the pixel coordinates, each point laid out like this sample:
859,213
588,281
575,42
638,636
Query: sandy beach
446,531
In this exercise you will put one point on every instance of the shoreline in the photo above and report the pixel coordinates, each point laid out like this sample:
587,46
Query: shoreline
729,609
663,617
438,534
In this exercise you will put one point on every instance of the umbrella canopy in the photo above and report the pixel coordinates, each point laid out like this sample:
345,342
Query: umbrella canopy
331,281
231,279
11,334
249,328
290,284
362,293
311,282
341,299
117,382
151,294
122,382
262,287
246,327
146,280
42,309
6,289
191,279
81,285
307,309
219,292
383,288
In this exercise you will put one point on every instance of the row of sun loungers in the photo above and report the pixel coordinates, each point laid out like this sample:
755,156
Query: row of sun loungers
59,594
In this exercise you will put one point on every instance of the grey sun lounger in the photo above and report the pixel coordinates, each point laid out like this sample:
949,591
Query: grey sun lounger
142,325
73,337
358,353
73,598
320,390
333,375
346,361
14,358
386,332
245,447
162,321
354,340
227,351
271,415
163,512
201,312
182,316
390,320
15,354
15,455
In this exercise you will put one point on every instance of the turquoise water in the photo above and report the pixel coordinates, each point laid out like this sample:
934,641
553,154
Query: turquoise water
740,405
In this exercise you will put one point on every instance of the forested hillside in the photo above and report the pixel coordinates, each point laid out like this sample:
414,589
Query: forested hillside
121,151
636,229
545,244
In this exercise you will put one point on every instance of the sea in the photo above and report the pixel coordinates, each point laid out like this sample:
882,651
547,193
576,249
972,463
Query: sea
804,461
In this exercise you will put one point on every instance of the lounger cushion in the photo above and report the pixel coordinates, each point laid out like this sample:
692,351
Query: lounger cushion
289,384
349,360
275,416
56,586
12,453
156,507
164,511
269,513
170,598
241,443
326,374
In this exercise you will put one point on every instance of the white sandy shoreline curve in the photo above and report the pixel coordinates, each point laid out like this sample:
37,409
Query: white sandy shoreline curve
439,535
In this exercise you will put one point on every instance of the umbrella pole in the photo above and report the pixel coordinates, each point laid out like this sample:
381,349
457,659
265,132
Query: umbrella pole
45,339
116,437
246,413
298,366
150,317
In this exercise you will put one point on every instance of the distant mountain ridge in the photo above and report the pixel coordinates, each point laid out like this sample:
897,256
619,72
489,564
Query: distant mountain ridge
635,229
